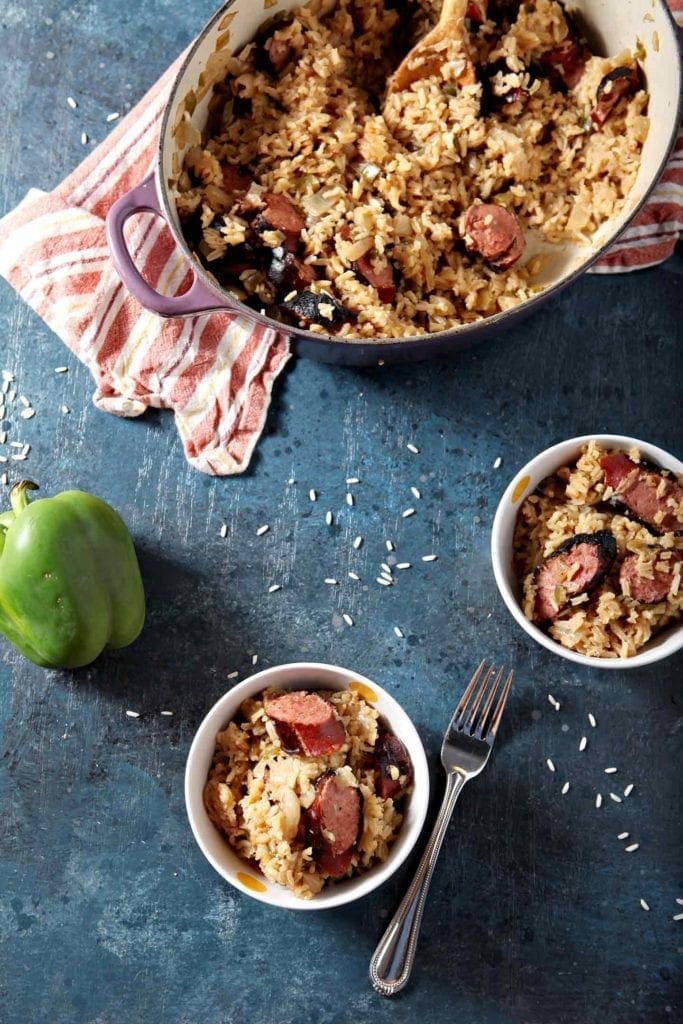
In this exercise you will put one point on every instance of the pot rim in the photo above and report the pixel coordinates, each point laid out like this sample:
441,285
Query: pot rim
484,326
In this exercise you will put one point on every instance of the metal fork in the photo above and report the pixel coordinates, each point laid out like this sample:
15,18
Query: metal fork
465,750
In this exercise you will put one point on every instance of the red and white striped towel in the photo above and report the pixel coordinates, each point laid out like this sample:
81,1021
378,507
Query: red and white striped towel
216,372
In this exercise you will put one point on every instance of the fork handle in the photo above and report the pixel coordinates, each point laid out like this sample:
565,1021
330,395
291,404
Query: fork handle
393,959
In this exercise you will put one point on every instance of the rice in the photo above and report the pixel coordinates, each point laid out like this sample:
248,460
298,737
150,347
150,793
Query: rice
390,179
607,622
257,794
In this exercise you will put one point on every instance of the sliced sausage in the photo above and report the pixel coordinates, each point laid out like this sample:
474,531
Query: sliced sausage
235,179
311,308
576,567
279,53
379,273
305,723
476,11
654,499
239,258
565,64
643,589
334,824
495,233
279,214
621,81
288,273
393,767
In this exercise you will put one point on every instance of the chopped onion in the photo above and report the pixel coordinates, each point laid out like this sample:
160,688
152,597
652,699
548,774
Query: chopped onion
318,204
369,171
402,225
355,250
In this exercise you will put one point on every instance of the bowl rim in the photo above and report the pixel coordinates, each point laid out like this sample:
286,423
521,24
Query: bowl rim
506,514
482,327
332,677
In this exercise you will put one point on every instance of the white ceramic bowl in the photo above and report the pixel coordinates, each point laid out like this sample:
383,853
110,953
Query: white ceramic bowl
524,483
301,675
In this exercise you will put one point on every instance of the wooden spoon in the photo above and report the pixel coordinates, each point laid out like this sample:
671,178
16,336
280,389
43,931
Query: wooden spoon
429,55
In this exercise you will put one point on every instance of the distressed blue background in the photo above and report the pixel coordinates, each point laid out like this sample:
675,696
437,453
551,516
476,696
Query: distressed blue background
109,913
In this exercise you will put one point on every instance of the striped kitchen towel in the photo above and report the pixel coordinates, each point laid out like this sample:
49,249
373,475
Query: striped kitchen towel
215,371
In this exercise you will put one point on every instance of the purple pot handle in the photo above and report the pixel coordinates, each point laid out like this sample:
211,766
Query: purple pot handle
197,299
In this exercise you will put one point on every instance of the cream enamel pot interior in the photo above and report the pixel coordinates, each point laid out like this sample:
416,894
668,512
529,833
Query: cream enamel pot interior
613,25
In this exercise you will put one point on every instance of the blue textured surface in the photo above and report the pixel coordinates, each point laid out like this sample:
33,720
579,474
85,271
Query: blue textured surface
109,913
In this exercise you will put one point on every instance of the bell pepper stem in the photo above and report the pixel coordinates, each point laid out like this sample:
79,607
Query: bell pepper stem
18,495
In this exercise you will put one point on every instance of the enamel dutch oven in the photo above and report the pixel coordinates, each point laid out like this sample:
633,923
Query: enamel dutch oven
615,25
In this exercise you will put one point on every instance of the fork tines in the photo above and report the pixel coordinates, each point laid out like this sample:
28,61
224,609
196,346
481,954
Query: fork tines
482,689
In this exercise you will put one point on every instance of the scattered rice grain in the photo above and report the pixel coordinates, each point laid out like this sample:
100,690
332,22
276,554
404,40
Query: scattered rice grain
582,743
413,448
347,619
550,764
632,848
408,512
598,800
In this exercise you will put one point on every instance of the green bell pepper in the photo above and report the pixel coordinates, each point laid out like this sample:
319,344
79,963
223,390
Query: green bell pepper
70,583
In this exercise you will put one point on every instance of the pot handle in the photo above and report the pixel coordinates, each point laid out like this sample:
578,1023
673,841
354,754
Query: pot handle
197,299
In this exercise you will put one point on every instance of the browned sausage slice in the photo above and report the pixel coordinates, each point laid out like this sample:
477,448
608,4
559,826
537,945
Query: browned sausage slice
643,589
379,273
235,179
334,823
495,233
654,499
393,767
279,214
566,63
577,566
621,81
288,273
305,723
279,53
476,11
